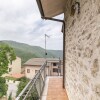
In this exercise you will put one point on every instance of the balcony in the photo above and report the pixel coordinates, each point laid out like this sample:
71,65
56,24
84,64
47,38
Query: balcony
44,87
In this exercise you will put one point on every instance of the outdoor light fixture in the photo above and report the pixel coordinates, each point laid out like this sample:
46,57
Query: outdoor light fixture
75,7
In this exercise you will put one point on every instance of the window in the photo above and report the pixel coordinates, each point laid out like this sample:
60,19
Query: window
28,70
55,70
54,64
36,71
10,69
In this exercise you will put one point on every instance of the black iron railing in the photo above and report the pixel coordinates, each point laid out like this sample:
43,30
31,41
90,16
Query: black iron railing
34,88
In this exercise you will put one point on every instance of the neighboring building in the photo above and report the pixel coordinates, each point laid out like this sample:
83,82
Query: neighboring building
15,67
54,69
32,66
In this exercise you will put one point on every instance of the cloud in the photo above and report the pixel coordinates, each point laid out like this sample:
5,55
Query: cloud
20,21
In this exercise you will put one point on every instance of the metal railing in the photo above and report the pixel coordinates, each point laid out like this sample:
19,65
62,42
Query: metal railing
34,88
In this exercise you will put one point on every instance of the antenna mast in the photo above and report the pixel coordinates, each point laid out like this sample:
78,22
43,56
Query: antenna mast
45,45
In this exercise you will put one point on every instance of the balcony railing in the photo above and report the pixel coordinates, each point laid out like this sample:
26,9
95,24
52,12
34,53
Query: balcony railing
34,88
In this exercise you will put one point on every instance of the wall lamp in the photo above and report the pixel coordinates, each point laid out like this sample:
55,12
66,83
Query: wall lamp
74,7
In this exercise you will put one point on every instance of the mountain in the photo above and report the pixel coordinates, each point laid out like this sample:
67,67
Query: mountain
25,51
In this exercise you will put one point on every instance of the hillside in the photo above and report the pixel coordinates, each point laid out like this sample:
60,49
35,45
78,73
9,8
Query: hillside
25,51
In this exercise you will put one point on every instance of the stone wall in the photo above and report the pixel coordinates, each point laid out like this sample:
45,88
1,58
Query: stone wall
82,72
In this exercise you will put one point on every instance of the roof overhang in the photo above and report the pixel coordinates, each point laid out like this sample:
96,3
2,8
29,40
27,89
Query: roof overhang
51,8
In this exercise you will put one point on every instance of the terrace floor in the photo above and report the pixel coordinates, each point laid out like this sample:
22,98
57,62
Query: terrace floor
53,89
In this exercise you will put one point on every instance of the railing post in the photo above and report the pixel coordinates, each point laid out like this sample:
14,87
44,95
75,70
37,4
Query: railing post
40,83
45,70
44,73
59,68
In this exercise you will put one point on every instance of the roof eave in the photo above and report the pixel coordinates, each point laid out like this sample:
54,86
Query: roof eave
40,8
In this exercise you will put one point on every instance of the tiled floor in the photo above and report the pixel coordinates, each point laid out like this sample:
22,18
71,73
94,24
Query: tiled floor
55,90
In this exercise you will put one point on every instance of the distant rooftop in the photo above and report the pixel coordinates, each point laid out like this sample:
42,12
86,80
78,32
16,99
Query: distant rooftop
39,61
16,75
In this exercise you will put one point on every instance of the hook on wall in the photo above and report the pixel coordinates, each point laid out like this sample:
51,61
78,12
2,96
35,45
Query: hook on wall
77,4
74,7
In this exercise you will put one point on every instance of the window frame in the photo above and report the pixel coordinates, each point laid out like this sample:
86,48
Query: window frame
10,69
55,70
54,64
28,70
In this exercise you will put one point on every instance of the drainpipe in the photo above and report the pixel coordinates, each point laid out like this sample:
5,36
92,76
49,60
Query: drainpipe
62,21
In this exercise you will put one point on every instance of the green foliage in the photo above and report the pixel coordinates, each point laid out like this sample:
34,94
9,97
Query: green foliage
10,78
23,82
26,52
24,55
10,96
3,87
7,55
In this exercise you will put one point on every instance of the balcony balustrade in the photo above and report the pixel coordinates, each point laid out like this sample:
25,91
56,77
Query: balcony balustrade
34,89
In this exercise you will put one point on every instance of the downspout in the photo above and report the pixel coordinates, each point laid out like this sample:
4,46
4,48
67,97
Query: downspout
64,54
58,20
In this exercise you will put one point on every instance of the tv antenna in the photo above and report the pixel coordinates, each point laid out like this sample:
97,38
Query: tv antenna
46,36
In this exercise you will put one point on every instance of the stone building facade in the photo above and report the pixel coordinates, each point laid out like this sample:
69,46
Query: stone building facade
82,50
81,41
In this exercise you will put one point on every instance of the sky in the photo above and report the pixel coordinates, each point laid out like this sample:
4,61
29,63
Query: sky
20,21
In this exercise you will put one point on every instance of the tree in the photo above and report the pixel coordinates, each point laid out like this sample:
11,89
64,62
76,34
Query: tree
10,96
7,55
3,87
23,82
